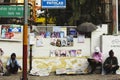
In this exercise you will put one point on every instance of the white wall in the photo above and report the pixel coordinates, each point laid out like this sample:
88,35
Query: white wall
96,36
86,47
45,50
111,42
11,47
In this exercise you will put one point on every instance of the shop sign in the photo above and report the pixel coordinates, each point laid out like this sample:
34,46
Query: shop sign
40,20
53,3
12,11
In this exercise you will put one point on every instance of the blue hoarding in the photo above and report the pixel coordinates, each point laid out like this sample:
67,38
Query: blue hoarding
53,3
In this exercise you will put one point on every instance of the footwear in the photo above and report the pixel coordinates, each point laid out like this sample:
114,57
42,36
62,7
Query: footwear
107,73
6,74
113,72
90,73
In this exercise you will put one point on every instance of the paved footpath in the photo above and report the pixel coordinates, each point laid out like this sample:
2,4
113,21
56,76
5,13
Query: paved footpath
63,77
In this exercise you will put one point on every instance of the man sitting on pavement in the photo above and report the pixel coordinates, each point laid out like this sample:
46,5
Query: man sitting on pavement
111,63
96,60
12,64
1,64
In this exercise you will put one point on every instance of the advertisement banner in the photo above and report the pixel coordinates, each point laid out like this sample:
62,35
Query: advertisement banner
11,32
53,3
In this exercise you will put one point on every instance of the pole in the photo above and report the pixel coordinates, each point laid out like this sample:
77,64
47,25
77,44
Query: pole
30,58
46,11
30,62
116,16
25,40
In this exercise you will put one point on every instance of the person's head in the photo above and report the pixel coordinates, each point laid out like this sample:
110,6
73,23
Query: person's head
13,56
1,50
97,50
111,53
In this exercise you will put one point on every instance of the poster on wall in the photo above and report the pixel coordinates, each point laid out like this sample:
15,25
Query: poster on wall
63,32
39,41
81,38
31,38
56,29
63,42
69,40
59,32
72,32
11,32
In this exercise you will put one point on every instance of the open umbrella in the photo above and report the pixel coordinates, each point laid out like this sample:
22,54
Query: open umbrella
86,27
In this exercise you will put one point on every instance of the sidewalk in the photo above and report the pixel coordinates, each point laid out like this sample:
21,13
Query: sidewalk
63,77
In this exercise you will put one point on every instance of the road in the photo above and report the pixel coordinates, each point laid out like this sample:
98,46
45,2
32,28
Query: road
63,77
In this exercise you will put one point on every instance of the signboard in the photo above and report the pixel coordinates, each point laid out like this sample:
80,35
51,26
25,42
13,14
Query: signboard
11,11
53,3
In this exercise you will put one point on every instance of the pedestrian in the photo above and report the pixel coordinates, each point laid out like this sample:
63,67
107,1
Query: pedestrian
111,63
1,64
12,64
95,61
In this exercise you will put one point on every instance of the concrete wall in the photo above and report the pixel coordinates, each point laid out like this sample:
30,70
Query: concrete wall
111,42
11,47
45,50
96,36
87,47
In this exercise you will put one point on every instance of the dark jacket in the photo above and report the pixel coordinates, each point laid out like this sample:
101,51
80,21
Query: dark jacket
111,61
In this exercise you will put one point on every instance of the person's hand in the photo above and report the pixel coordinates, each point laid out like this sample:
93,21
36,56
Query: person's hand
93,60
1,51
113,65
96,61
20,68
109,66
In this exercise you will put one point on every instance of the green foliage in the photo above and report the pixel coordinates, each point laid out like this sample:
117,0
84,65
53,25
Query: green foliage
76,12
82,2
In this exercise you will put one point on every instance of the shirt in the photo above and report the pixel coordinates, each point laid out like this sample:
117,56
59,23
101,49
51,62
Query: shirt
97,57
12,62
111,61
1,52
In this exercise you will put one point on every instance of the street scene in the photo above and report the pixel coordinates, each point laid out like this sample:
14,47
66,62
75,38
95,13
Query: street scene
59,39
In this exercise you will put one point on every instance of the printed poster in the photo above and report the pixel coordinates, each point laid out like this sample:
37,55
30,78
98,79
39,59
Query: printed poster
81,38
11,32
31,38
39,41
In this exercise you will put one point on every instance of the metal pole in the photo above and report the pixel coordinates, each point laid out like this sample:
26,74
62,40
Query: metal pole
25,40
30,61
116,16
30,58
46,11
